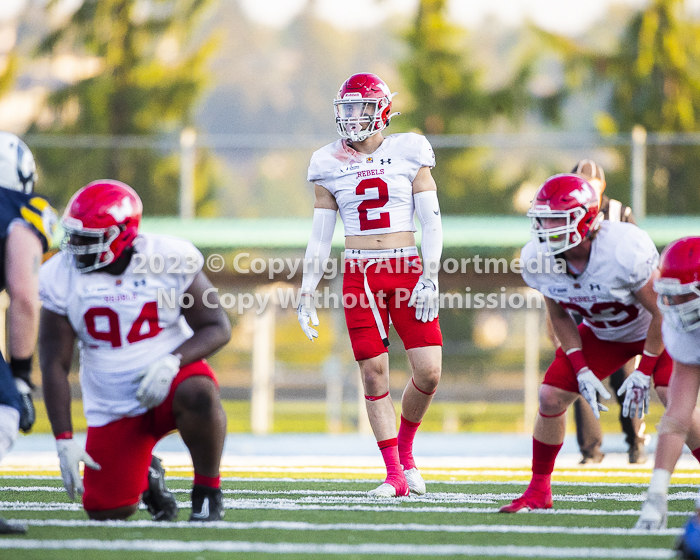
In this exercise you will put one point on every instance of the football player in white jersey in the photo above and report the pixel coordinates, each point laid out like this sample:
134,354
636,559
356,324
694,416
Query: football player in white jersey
678,288
377,183
605,273
135,303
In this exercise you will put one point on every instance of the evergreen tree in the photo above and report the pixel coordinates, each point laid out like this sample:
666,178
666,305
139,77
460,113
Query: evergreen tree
449,97
152,72
654,79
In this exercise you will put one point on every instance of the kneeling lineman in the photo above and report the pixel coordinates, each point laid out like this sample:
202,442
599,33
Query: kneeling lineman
142,368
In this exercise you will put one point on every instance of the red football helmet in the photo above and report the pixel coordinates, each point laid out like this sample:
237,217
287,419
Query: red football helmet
362,107
566,197
102,219
679,284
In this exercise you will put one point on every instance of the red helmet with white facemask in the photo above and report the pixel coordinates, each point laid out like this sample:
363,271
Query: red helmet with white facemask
679,284
571,200
363,107
101,222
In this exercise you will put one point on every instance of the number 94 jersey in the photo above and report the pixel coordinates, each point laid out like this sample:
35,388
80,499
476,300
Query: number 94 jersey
623,258
374,191
123,322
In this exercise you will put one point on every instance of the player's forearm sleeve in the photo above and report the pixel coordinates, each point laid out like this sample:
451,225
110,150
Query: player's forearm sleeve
319,248
428,211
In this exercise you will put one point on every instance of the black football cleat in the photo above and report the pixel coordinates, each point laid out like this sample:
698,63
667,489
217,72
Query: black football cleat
11,528
207,503
159,501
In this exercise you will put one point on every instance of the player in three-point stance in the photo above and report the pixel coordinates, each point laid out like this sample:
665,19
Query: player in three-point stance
27,222
142,368
607,277
678,288
588,431
377,183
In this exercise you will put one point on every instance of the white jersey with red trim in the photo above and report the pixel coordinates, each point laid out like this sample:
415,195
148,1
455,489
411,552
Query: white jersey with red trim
374,191
682,346
124,322
623,258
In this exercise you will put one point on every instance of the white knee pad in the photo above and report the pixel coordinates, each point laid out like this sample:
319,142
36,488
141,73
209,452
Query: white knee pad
9,428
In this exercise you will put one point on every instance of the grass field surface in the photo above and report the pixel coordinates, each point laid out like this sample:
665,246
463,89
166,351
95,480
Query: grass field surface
318,511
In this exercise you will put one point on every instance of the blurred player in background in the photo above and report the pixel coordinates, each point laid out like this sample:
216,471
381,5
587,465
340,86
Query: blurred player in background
678,289
142,368
588,431
27,222
605,273
377,183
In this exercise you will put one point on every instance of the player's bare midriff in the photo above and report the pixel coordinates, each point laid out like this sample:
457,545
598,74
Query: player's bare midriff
394,240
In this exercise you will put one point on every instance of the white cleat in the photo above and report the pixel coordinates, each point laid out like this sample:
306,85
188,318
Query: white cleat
416,484
386,490
654,513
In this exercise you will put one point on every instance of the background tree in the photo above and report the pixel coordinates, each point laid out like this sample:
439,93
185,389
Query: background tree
8,73
652,77
449,96
151,73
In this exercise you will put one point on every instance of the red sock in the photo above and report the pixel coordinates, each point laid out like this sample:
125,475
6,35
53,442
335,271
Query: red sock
696,453
543,457
390,454
407,432
210,481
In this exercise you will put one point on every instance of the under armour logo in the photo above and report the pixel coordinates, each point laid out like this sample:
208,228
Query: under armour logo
383,161
123,211
594,287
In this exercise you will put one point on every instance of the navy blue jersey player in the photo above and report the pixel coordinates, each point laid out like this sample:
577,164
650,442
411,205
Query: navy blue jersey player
26,227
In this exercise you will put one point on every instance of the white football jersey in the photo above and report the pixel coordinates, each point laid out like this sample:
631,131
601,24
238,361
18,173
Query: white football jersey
623,258
682,346
374,191
122,323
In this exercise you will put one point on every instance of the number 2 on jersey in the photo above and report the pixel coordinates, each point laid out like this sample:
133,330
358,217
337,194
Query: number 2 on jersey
384,219
149,314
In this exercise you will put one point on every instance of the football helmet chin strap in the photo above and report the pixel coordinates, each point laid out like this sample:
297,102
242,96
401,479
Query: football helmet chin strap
426,294
317,252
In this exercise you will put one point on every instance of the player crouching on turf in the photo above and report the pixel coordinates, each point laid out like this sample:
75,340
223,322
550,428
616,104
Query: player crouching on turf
377,184
678,289
607,277
142,368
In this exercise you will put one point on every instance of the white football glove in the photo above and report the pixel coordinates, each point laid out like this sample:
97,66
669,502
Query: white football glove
654,515
69,456
157,378
636,390
426,299
589,386
307,312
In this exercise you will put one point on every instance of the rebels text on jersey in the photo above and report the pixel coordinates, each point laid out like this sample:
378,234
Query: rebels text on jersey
374,191
123,322
623,258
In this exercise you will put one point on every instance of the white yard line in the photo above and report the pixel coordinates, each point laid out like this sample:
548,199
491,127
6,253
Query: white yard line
368,527
357,496
291,505
359,549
